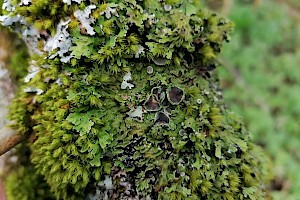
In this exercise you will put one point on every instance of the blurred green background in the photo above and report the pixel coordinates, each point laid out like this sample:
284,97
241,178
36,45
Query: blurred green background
260,78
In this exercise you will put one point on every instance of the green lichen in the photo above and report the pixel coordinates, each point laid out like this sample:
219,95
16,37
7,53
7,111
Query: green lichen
135,111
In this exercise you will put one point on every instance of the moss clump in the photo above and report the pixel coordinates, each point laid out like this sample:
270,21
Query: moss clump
18,71
20,177
127,106
25,184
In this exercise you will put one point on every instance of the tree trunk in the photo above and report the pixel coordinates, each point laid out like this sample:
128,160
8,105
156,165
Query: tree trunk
124,103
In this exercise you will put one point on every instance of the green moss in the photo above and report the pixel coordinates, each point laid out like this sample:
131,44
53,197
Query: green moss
138,107
21,181
25,184
1,2
18,62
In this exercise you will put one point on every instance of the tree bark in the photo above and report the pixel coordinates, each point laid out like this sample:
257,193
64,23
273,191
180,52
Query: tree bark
2,193
8,139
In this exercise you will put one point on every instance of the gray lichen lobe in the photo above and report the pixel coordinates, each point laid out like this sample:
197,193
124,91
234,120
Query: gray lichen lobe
32,71
125,83
86,19
8,5
110,11
60,42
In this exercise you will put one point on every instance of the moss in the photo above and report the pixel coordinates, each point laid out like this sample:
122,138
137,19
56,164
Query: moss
25,184
18,64
106,125
1,3
21,180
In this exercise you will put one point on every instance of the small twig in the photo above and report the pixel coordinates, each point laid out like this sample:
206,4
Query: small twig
8,139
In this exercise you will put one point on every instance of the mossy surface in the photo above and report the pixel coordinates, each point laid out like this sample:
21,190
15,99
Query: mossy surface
25,184
21,180
126,105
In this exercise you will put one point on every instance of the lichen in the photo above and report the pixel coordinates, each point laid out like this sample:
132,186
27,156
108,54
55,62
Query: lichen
112,119
61,42
85,19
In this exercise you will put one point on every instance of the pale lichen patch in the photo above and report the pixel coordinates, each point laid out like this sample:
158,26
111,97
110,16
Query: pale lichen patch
8,5
86,19
125,84
32,72
137,113
61,41
25,2
33,90
110,11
